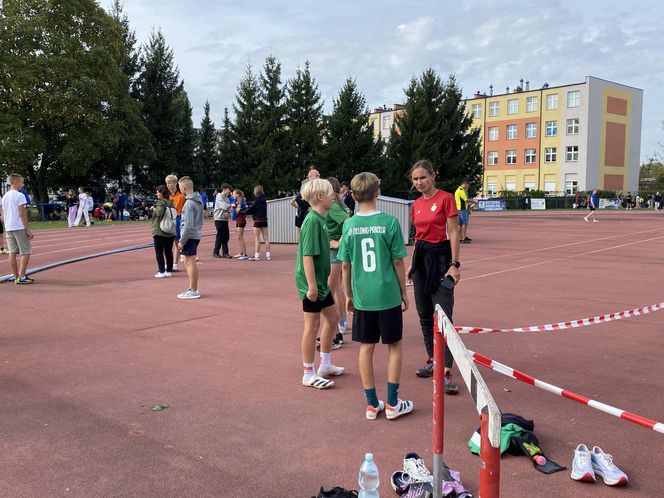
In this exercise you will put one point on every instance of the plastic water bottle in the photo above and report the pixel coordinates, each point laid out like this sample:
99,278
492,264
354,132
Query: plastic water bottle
368,479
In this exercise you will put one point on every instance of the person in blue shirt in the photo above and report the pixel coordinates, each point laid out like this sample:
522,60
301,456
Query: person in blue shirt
592,205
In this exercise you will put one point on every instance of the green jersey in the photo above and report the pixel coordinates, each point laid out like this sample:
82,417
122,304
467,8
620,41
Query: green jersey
334,219
315,242
370,242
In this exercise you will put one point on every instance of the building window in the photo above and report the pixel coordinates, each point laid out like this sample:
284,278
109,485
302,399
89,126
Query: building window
551,128
571,187
387,122
574,98
530,156
510,185
531,130
510,157
552,101
528,185
572,153
491,189
511,132
512,106
493,133
477,110
573,126
549,186
550,155
492,157
531,104
494,108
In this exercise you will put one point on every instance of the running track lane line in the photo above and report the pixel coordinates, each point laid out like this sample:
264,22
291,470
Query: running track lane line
579,398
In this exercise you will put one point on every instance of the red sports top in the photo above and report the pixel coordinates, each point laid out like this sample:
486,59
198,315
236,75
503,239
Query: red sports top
430,216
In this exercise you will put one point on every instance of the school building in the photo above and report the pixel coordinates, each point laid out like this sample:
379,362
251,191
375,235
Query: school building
382,119
560,139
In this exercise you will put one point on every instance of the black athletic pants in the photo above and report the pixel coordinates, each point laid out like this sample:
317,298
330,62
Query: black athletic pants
221,240
426,306
163,246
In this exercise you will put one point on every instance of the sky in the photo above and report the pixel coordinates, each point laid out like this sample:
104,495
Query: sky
385,44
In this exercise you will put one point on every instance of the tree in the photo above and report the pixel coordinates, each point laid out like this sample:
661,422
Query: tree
303,120
185,137
228,152
207,154
164,108
246,130
435,126
64,101
349,146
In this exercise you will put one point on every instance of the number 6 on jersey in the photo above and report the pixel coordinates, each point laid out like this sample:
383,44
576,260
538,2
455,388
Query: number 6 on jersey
368,255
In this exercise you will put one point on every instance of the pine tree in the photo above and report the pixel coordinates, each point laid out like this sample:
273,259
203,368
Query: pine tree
303,120
207,154
435,126
185,138
349,146
228,153
246,129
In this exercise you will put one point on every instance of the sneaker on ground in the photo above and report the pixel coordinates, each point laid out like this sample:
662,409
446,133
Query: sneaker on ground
168,274
468,239
426,371
449,385
226,256
330,370
582,469
335,344
243,257
373,411
414,466
595,221
175,269
604,467
400,480
160,274
24,281
317,381
403,407
216,255
254,259
189,294
339,337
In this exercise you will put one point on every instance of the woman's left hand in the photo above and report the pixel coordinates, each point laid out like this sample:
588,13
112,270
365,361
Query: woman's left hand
454,273
334,244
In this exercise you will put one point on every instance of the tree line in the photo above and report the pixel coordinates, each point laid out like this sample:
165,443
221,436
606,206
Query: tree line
82,104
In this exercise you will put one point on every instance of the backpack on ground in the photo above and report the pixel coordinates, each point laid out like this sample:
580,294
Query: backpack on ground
167,223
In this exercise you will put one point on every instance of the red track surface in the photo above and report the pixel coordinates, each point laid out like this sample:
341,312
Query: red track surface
88,350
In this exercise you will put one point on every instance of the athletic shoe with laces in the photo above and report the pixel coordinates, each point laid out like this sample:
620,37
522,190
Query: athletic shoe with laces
175,269
339,337
168,274
330,370
24,281
467,239
316,381
604,467
449,385
403,407
373,411
595,221
582,469
243,257
189,294
160,274
401,481
335,344
414,466
426,371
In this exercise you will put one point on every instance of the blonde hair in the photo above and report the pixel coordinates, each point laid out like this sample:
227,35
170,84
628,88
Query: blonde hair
15,178
239,193
172,179
365,186
258,190
185,181
315,187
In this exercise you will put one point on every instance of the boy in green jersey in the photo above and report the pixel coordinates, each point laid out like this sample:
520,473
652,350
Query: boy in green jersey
372,251
311,272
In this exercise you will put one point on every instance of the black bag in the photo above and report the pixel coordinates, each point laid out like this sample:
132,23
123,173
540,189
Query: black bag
336,492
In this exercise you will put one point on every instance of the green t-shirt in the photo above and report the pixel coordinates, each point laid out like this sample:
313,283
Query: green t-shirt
370,242
334,219
315,242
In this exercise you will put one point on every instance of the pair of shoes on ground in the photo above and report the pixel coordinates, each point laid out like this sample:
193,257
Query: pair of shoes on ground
4,251
163,274
318,381
189,294
587,464
415,481
224,256
336,342
23,281
449,386
403,407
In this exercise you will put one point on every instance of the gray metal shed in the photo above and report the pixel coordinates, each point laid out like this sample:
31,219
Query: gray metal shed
281,217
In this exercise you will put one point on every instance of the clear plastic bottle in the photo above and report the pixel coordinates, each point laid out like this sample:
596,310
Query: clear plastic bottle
368,479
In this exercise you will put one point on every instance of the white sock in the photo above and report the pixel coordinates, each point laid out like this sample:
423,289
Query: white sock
309,370
257,255
267,254
325,359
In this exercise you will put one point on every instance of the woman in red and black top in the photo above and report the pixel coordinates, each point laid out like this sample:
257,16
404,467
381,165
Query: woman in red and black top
436,258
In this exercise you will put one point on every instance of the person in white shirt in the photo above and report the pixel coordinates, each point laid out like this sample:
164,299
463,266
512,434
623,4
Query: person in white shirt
15,219
82,208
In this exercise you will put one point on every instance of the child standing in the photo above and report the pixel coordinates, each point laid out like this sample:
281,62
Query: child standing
259,211
372,250
190,235
178,201
311,273
239,215
221,214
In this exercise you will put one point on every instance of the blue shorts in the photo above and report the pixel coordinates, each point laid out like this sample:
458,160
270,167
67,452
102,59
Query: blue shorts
189,247
178,221
463,217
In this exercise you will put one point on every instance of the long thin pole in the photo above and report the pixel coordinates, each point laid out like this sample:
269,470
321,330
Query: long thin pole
438,408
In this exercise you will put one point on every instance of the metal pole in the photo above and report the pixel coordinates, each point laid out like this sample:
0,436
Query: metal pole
438,407
489,461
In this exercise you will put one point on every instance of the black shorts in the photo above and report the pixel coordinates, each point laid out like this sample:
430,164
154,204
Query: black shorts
317,306
369,326
189,248
591,208
240,224
260,224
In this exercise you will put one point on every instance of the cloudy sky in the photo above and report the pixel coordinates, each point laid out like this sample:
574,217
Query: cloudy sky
384,44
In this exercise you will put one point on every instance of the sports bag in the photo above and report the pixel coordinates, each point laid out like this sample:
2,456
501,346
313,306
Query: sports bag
167,223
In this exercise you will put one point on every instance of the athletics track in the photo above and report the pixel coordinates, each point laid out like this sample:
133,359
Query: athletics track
94,345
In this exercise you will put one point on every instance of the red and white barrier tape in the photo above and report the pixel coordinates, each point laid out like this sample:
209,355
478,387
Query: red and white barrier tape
549,327
520,376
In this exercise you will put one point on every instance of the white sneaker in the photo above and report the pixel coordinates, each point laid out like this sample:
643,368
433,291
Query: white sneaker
605,468
175,268
317,382
189,294
160,275
168,274
595,221
403,407
582,469
414,466
373,411
330,370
